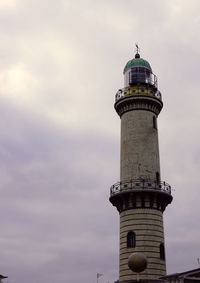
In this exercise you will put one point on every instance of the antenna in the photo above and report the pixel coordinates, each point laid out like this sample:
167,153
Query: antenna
198,260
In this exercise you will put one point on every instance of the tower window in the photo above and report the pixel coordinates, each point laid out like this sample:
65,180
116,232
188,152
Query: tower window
157,177
154,122
131,241
162,251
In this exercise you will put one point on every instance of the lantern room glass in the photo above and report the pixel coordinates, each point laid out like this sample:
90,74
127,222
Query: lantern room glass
139,75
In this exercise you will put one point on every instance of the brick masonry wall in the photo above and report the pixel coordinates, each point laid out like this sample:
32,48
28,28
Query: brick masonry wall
139,146
147,224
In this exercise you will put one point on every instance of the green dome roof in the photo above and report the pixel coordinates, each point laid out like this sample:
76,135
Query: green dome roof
137,62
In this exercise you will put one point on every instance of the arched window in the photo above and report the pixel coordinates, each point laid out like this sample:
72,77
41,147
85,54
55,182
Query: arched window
162,251
131,240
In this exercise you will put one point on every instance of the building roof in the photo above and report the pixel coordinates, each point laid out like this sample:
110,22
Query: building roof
194,273
2,276
137,62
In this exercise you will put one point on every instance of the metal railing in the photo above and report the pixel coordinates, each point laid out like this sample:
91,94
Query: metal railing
140,184
127,91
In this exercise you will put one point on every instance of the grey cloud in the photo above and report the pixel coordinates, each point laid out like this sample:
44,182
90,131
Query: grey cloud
47,189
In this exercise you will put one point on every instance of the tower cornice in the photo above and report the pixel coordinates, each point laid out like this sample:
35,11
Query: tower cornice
153,195
138,102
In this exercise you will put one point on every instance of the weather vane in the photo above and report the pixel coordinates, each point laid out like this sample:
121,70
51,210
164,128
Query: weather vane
137,48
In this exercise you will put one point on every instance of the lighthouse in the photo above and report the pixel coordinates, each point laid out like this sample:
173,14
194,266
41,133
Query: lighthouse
141,195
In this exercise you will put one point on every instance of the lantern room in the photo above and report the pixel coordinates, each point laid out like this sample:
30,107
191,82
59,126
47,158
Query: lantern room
138,72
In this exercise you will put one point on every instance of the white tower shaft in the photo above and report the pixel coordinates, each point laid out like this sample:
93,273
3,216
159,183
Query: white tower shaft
140,196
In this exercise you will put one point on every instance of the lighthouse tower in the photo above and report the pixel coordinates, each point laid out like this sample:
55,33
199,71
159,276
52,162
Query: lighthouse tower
140,196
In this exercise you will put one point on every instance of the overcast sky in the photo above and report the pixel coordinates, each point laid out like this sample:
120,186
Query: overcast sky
61,63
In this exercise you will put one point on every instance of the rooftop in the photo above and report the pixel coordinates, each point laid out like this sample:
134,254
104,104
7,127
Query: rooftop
137,62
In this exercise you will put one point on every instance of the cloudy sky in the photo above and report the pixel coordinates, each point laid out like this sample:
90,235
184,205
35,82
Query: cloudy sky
61,63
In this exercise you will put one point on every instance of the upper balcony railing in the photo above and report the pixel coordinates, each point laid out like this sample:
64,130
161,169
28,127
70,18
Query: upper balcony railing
127,91
139,184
